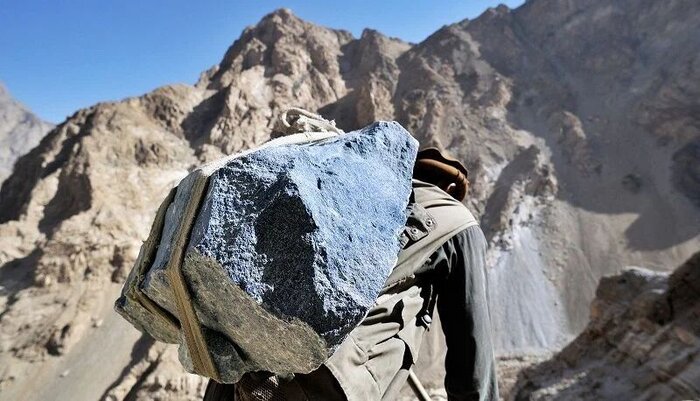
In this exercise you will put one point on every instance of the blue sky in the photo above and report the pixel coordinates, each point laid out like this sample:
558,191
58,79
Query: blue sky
59,55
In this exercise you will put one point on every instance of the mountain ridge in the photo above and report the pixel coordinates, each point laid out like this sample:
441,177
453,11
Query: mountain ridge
20,130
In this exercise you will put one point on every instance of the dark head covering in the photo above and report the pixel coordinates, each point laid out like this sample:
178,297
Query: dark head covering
440,169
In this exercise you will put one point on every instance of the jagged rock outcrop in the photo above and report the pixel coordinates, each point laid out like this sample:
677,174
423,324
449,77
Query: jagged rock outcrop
20,130
551,105
643,342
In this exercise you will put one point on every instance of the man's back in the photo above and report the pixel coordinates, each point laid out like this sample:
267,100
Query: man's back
441,265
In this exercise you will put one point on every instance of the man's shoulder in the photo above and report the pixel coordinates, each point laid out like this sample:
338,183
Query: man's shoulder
434,218
447,213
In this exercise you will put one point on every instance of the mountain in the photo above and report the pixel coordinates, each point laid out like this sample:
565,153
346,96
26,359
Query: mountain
579,121
20,130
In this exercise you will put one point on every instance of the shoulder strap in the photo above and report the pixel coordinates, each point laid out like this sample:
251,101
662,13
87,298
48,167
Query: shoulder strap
434,218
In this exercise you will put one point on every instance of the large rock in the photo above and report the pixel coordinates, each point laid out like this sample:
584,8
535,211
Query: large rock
289,250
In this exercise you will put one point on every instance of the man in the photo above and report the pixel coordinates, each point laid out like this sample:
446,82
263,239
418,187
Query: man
441,266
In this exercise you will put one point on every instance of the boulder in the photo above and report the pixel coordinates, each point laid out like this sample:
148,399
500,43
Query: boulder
284,249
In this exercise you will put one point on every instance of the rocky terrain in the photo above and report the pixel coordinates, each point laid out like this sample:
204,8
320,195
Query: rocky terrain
643,343
20,130
579,120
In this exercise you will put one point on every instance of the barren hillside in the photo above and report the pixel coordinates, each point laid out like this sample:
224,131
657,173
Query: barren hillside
579,120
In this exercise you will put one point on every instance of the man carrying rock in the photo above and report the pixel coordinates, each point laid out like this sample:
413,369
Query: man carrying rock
441,266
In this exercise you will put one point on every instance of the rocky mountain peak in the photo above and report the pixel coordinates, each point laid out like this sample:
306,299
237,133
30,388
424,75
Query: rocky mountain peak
283,44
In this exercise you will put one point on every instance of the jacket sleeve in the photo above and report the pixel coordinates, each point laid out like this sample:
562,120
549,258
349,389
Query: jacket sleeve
462,305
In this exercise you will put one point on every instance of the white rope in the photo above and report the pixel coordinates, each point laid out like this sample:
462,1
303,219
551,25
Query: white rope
417,386
295,120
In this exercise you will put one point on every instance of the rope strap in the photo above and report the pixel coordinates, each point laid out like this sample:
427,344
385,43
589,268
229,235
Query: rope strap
202,361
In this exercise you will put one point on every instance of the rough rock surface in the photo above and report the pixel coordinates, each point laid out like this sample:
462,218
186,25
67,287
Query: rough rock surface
331,210
643,343
287,254
551,105
20,130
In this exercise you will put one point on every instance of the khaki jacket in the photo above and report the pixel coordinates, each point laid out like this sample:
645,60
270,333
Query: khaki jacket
443,254
373,362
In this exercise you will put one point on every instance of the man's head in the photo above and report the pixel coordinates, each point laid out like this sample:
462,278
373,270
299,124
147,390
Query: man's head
445,172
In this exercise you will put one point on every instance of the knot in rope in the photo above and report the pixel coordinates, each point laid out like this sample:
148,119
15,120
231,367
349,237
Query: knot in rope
296,120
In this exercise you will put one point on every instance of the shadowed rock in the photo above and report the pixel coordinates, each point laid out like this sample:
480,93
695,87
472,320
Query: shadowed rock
643,342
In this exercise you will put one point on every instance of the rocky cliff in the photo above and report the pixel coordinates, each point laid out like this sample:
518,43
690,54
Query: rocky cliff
643,342
578,120
20,130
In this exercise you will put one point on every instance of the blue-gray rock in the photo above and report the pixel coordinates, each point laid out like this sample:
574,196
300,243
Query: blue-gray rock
290,248
309,233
